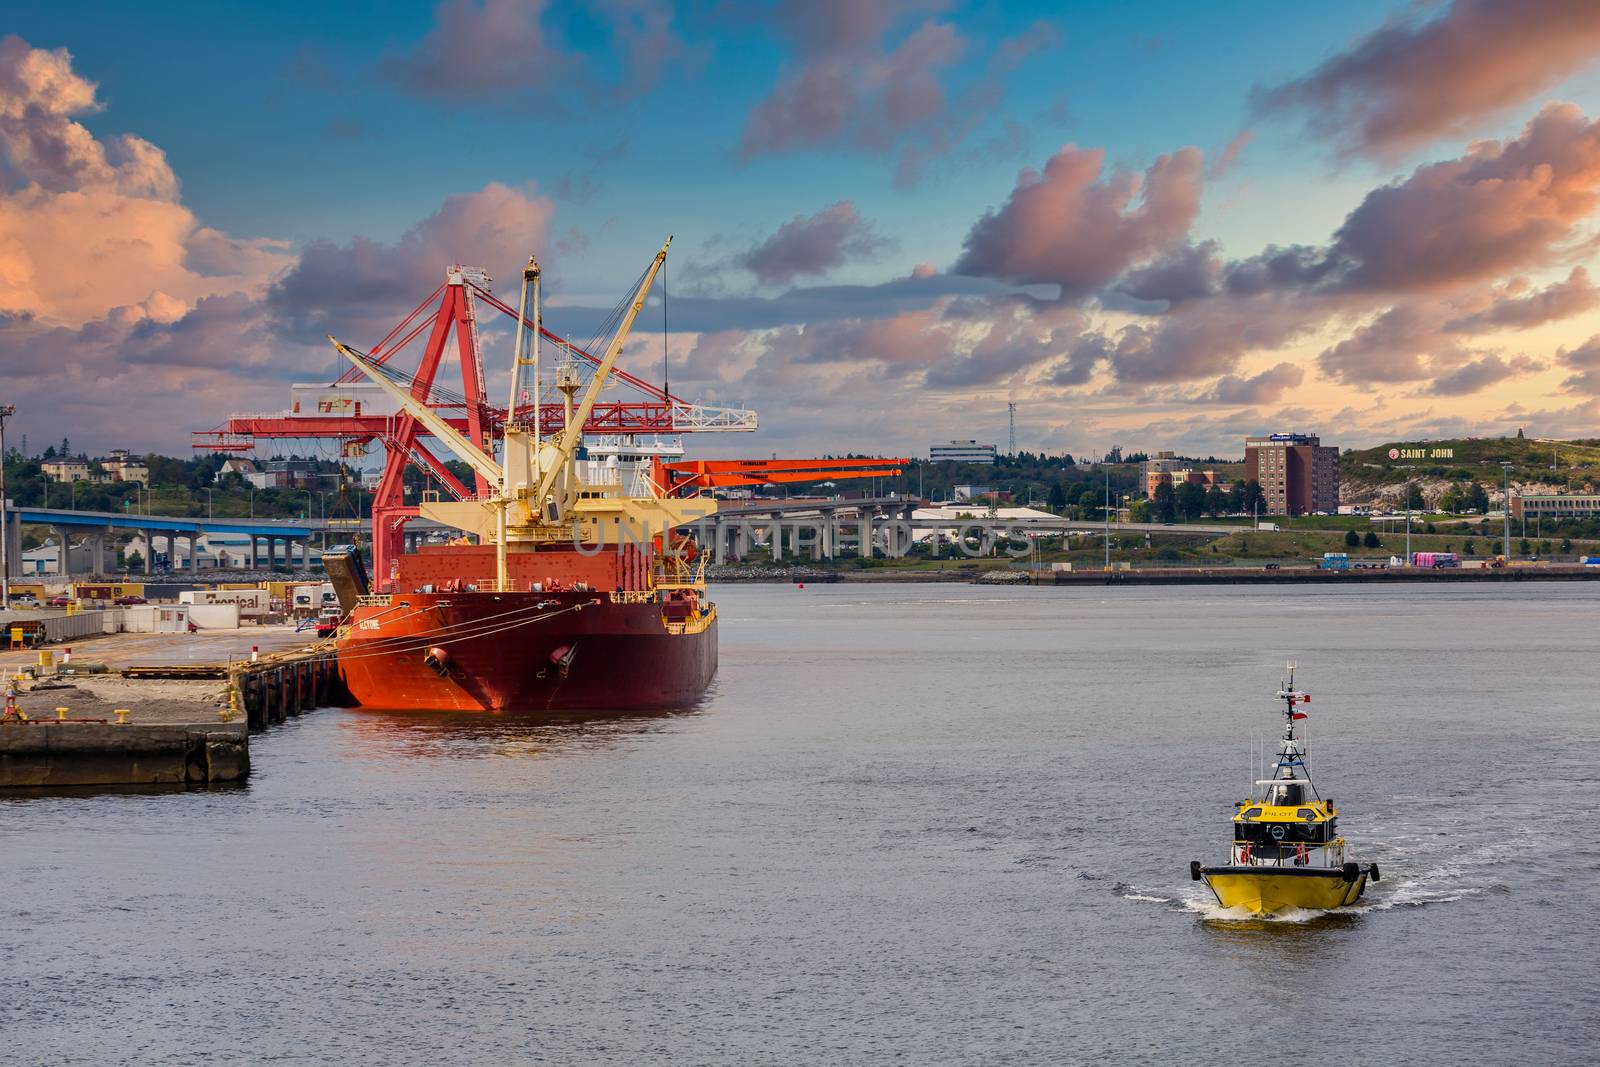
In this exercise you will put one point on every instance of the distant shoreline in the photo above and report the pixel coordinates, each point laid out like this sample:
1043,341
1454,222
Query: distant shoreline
1173,576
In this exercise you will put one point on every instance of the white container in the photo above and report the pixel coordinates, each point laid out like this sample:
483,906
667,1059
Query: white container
215,616
139,619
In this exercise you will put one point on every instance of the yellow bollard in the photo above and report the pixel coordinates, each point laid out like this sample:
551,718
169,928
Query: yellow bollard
122,716
61,714
231,712
46,657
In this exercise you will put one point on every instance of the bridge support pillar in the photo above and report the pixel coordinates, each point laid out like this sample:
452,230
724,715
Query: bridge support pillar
826,530
98,544
252,552
864,532
64,540
777,538
13,535
719,533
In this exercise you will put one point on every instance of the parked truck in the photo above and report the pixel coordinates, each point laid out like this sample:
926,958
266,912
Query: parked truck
309,600
1335,561
1435,560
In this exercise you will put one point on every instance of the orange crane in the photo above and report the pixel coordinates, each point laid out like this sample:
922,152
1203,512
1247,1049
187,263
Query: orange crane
687,477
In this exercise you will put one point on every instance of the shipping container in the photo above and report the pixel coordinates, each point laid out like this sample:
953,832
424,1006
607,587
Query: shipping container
106,590
251,602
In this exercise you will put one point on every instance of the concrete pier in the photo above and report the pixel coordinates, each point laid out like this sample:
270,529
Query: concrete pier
50,754
180,730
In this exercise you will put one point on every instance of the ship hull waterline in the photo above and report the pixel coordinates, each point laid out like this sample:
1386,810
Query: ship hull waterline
523,652
1268,890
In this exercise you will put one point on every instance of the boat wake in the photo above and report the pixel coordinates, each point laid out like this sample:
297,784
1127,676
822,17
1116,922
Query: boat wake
1436,882
1207,908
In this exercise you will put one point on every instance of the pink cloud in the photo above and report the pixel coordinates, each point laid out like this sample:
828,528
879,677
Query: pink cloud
1267,387
1497,208
501,50
1482,373
813,245
1072,227
1408,83
1512,311
1584,363
847,87
87,226
363,285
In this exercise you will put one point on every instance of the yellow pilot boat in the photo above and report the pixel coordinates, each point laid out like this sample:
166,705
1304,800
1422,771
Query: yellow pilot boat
1287,852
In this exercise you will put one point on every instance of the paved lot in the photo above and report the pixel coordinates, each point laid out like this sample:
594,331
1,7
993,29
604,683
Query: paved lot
150,701
207,646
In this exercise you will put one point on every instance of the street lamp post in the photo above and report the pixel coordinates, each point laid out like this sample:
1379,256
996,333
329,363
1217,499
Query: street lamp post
208,504
6,410
1505,512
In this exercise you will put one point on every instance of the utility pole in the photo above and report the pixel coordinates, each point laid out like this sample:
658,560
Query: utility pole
1408,515
1108,517
6,411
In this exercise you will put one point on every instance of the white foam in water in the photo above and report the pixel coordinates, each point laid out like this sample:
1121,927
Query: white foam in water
1211,911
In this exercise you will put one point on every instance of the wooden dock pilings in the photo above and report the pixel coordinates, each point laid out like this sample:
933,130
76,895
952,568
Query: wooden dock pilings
50,753
271,690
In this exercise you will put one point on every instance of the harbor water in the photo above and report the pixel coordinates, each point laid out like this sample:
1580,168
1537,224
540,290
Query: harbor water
917,824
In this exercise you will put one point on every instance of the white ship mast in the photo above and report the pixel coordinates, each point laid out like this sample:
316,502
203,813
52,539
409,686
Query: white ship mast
537,495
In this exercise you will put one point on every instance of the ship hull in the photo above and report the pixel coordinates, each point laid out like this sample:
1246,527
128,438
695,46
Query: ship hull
523,652
1266,890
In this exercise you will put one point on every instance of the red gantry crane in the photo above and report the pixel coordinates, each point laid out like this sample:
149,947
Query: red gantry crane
451,309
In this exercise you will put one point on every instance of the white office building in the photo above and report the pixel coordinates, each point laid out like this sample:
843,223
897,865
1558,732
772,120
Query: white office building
962,452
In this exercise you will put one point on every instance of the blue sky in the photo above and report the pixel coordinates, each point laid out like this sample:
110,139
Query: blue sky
235,94
292,129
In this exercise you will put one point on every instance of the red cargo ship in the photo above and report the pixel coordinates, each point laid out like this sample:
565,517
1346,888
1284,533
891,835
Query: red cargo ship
572,635
566,588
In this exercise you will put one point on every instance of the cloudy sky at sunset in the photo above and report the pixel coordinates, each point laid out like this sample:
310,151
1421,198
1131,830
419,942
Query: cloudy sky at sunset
1158,225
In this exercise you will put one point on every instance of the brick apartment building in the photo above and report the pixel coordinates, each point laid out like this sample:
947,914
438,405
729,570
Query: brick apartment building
1297,472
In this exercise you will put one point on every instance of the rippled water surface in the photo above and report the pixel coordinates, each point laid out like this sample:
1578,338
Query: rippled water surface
923,825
